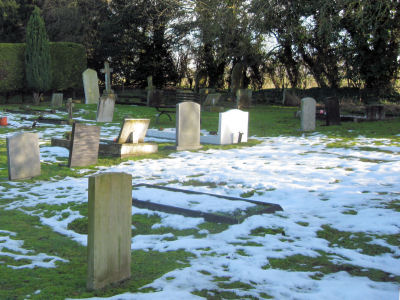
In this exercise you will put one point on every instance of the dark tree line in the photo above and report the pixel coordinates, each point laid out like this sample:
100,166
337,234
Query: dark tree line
336,41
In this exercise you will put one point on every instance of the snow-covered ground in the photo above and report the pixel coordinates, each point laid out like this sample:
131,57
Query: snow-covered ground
316,185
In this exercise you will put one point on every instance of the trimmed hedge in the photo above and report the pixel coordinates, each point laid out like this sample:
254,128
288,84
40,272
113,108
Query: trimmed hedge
12,67
68,61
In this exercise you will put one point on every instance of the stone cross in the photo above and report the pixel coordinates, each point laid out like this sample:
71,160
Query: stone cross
107,71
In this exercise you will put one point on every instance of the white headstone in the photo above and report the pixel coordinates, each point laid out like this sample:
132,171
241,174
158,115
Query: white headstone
188,126
91,86
308,109
232,128
23,155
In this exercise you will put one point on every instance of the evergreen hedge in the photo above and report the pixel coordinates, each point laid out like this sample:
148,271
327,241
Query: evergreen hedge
68,63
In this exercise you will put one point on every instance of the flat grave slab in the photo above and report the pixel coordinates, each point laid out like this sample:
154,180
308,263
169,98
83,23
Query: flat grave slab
211,207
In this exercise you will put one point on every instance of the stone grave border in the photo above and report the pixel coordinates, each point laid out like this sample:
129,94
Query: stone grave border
210,217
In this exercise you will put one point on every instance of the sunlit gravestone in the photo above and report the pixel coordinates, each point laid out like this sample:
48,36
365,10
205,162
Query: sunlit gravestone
23,156
91,86
308,109
188,126
109,229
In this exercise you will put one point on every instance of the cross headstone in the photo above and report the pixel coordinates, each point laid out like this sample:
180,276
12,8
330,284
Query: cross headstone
84,149
107,74
188,126
109,229
308,109
23,156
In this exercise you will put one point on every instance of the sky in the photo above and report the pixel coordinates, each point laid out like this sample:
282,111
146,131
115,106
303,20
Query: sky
349,189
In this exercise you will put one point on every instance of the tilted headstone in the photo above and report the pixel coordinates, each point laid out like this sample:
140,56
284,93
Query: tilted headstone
332,109
188,126
57,100
91,86
307,116
243,98
133,131
23,156
105,108
84,148
109,229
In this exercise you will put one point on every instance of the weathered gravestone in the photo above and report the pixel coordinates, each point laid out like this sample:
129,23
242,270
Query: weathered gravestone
130,141
91,86
375,112
109,232
187,126
332,109
308,109
69,106
84,149
57,100
243,98
23,156
211,101
232,128
105,108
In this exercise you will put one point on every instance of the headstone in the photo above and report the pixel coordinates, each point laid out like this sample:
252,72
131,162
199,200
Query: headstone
91,86
109,229
188,126
211,100
107,77
133,131
375,112
105,108
57,100
154,97
243,98
332,109
308,109
84,148
70,106
23,156
232,128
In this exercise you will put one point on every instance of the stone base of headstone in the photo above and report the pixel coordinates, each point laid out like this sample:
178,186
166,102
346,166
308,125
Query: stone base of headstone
57,100
109,229
182,148
105,108
127,149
